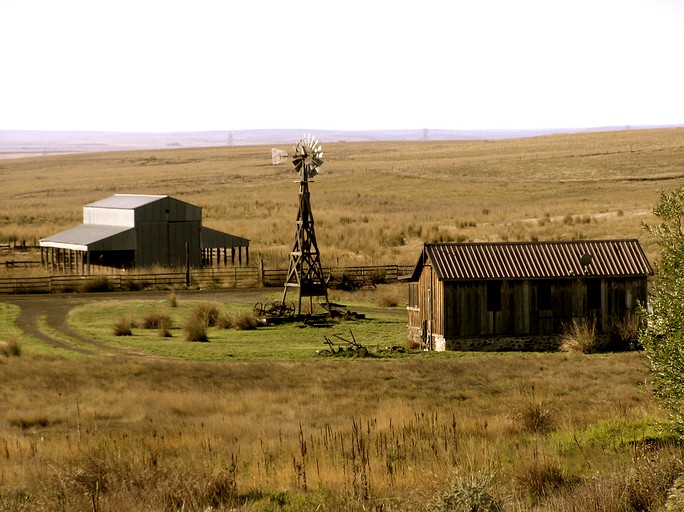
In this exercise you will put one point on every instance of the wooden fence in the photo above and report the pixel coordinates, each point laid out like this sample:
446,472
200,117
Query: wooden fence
236,277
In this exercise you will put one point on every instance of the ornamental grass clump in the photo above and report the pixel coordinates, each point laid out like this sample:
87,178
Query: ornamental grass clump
11,348
198,323
465,497
531,415
579,336
124,326
207,313
159,321
246,322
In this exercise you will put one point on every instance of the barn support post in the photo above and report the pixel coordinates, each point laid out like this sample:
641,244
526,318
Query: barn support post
247,255
240,256
232,255
187,265
87,255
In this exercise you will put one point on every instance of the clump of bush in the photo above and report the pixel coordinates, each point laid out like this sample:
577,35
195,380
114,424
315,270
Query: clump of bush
579,336
11,348
465,497
540,479
201,318
173,299
532,415
625,333
388,299
195,329
124,326
159,321
245,322
99,284
225,321
207,313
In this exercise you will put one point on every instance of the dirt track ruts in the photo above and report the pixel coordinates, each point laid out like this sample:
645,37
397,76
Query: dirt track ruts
56,307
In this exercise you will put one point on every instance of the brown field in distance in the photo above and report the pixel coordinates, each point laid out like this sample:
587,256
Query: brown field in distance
374,202
114,430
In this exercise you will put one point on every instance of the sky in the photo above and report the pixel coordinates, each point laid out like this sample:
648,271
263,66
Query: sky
200,65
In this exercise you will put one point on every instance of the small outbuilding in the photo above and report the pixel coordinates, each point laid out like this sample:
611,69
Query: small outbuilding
522,295
131,230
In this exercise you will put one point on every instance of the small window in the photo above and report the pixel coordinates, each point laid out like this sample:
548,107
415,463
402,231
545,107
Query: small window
494,296
593,294
544,295
413,295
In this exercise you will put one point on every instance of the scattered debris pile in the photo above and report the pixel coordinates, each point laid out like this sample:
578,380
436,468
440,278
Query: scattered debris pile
275,312
352,348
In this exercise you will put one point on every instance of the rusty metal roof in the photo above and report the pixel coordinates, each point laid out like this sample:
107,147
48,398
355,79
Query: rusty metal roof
535,260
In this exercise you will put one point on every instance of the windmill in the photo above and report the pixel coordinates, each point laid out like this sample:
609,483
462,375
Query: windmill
305,273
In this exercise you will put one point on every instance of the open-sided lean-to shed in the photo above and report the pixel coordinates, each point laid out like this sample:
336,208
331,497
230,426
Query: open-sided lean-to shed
133,230
520,295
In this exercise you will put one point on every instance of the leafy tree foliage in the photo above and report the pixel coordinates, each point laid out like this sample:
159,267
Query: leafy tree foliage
663,331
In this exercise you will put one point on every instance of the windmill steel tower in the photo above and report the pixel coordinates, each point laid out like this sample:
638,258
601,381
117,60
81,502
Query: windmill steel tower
305,273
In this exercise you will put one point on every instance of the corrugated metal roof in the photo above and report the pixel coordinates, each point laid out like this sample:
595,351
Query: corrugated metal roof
86,236
529,260
125,201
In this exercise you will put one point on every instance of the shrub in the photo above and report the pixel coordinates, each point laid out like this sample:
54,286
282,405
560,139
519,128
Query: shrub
532,415
664,321
225,321
10,348
465,497
196,329
675,498
173,299
579,336
388,299
625,333
246,322
156,320
99,284
207,313
539,479
124,326
378,276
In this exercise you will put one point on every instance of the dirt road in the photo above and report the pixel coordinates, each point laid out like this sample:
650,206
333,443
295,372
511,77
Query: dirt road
45,316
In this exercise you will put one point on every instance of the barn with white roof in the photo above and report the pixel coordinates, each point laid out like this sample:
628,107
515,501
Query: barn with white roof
132,230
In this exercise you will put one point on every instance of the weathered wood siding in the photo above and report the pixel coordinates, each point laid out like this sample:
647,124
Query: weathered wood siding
526,308
458,309
430,307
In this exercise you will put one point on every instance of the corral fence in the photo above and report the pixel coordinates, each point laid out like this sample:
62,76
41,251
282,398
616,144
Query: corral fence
236,277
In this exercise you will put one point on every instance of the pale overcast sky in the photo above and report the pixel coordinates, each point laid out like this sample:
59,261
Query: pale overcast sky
148,65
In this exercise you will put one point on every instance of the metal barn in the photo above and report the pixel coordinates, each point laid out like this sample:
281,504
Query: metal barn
521,295
130,230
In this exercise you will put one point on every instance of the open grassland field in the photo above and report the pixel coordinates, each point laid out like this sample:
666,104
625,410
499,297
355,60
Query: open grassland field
374,202
256,421
253,420
292,431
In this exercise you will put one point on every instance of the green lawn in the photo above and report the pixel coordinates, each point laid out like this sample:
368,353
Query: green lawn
292,341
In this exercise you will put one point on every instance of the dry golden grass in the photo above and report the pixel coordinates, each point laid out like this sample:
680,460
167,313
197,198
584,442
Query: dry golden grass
149,434
90,433
374,202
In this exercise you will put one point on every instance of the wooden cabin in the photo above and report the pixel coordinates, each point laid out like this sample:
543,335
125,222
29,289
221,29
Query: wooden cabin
522,295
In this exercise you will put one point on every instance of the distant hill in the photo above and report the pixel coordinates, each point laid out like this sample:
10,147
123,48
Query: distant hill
29,143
